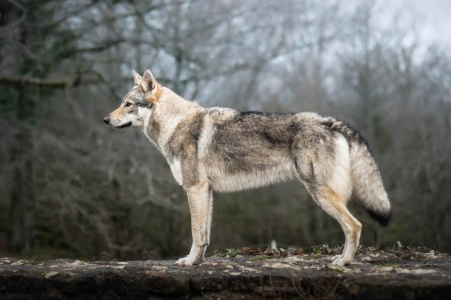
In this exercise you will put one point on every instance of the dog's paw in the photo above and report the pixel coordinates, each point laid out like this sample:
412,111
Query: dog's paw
190,262
335,257
181,261
187,261
341,261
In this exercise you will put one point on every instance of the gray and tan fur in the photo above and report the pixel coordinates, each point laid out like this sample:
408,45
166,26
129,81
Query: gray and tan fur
221,149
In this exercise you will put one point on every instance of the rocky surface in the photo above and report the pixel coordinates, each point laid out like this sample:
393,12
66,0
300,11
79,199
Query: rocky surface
243,274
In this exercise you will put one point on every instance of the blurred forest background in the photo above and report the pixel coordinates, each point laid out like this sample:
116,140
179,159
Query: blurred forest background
72,187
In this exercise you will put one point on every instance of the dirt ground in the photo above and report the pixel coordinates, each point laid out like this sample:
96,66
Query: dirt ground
402,273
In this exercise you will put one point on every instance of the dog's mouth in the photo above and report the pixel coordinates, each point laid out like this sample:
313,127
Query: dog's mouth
128,124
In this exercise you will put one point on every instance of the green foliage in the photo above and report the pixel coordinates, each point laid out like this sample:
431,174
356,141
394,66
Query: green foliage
260,258
231,252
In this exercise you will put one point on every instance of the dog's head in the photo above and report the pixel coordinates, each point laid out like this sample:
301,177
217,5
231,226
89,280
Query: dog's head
137,104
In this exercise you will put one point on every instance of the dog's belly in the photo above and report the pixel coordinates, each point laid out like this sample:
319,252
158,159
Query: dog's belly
228,182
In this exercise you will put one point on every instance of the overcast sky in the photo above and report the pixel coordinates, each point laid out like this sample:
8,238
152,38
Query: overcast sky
433,17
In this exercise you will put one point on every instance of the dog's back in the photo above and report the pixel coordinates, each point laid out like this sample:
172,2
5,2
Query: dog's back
248,149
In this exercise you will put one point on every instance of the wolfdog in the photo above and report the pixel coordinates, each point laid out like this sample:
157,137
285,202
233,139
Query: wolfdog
221,149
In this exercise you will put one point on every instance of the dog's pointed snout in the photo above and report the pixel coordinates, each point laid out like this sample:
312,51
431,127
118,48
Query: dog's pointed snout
106,120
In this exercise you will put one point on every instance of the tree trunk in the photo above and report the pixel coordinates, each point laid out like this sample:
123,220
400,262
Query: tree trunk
22,207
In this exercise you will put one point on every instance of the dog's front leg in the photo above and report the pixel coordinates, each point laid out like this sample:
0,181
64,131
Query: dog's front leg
200,205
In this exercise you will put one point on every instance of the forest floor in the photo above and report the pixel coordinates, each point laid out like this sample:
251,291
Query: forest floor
400,272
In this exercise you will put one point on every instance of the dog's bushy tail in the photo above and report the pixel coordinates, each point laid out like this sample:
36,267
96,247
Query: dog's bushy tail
367,186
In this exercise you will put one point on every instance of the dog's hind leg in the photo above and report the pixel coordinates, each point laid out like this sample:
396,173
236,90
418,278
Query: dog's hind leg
323,165
335,206
200,204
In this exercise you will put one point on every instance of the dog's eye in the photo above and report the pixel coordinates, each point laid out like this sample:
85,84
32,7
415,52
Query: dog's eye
128,104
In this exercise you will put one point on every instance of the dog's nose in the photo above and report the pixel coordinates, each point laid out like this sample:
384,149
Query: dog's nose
106,120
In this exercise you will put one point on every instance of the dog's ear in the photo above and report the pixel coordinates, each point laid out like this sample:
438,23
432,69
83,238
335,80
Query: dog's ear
148,83
137,77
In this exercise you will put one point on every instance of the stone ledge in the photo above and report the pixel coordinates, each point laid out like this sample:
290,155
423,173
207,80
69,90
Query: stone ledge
371,276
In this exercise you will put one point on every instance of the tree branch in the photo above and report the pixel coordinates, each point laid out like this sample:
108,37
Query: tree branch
55,84
100,48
